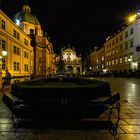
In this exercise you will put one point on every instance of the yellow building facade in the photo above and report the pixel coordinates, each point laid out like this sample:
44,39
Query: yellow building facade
20,55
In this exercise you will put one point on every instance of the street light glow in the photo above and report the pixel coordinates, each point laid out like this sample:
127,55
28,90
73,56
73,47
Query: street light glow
17,22
129,59
4,53
132,18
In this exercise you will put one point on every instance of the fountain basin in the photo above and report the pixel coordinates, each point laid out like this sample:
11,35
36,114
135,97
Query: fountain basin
51,88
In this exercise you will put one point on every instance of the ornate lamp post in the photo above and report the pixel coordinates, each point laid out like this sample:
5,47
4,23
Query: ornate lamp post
3,54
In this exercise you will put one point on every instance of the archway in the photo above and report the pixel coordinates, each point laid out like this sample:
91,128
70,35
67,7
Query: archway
70,72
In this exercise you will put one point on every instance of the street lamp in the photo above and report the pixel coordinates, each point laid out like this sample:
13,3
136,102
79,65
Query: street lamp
129,60
3,54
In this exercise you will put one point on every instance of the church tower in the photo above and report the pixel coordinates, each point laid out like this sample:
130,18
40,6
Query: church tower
28,22
43,50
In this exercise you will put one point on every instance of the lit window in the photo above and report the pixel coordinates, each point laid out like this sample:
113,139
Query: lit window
126,59
102,58
112,62
107,63
120,60
102,66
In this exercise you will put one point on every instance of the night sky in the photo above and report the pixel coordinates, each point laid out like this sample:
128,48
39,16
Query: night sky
83,24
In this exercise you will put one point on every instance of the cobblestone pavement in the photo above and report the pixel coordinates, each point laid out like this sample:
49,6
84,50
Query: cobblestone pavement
128,127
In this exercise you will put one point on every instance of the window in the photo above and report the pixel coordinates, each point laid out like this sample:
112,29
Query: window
3,44
120,60
25,54
125,59
25,67
107,54
131,43
3,63
102,58
126,34
16,50
97,67
3,24
16,66
16,34
126,45
112,62
109,63
26,42
102,66
131,31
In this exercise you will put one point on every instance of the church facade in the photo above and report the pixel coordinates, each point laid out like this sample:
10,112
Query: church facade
73,63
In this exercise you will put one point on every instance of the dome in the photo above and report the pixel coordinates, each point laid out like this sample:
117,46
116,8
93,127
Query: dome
25,15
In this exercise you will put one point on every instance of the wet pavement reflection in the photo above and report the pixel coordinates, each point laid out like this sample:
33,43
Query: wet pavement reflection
129,88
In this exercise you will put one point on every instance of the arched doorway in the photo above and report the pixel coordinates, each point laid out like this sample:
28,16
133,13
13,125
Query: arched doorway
70,72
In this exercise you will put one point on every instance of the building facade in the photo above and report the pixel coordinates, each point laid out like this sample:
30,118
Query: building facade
43,49
20,55
73,63
120,52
